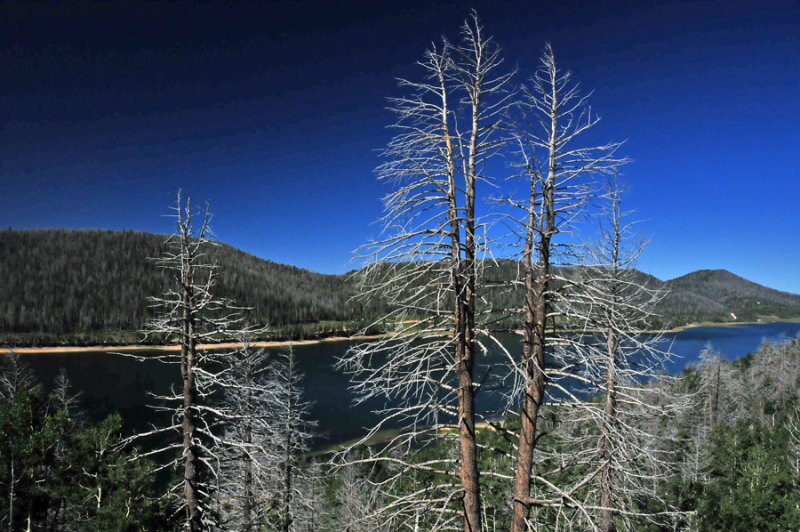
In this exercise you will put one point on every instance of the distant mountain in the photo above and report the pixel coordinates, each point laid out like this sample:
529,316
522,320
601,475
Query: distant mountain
91,286
719,295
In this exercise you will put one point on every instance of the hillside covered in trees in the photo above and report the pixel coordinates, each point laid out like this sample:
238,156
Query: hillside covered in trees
60,283
92,286
718,293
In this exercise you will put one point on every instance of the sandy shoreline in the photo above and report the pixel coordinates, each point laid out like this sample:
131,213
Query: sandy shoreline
46,350
727,324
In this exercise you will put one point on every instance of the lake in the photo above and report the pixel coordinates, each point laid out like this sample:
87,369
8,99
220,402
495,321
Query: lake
112,383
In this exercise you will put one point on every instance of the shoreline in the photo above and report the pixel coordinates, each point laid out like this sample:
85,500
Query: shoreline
770,319
46,350
70,349
680,328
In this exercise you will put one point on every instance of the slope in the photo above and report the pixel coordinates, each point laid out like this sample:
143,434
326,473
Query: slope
727,295
60,282
91,286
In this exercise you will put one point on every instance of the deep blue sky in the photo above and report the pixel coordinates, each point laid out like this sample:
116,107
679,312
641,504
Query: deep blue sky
274,113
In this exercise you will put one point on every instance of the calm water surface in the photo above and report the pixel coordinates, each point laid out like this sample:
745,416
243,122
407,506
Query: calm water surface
112,383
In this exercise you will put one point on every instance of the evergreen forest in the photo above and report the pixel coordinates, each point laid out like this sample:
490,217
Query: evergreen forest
731,460
91,287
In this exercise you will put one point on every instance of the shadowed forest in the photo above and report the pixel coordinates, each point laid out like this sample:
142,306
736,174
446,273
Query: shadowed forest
90,287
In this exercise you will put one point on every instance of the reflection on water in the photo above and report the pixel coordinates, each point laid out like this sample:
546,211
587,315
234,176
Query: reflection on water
114,383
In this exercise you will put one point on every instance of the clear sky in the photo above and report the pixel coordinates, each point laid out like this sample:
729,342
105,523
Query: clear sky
275,111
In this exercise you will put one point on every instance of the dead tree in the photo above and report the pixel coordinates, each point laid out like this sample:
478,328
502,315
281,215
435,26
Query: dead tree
357,503
626,369
267,430
560,177
189,314
291,435
711,404
712,367
772,378
792,426
62,396
724,397
425,267
249,459
63,399
16,378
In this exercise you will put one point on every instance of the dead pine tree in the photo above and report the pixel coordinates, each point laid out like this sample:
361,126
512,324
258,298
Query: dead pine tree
16,378
626,368
293,431
560,174
249,460
712,366
425,266
63,399
267,429
189,314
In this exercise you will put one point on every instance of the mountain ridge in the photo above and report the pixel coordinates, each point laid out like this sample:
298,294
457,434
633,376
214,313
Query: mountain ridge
88,286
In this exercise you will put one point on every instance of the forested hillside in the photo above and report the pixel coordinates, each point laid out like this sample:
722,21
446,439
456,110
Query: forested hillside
722,293
92,286
57,282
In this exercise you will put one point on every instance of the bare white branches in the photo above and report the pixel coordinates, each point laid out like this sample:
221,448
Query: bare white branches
15,377
267,429
625,368
559,177
189,313
426,267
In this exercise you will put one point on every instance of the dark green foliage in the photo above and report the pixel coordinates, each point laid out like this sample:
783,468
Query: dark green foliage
742,475
64,478
104,489
750,482
88,287
29,433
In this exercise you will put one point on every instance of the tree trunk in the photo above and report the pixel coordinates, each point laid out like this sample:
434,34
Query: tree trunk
610,414
287,457
466,432
249,497
188,425
713,400
11,485
533,364
607,471
464,323
535,341
465,361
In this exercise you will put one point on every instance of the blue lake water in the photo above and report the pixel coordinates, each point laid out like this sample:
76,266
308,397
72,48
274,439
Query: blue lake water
733,341
111,383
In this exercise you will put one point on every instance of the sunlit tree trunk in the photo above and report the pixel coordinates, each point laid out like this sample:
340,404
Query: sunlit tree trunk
188,354
426,266
560,175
